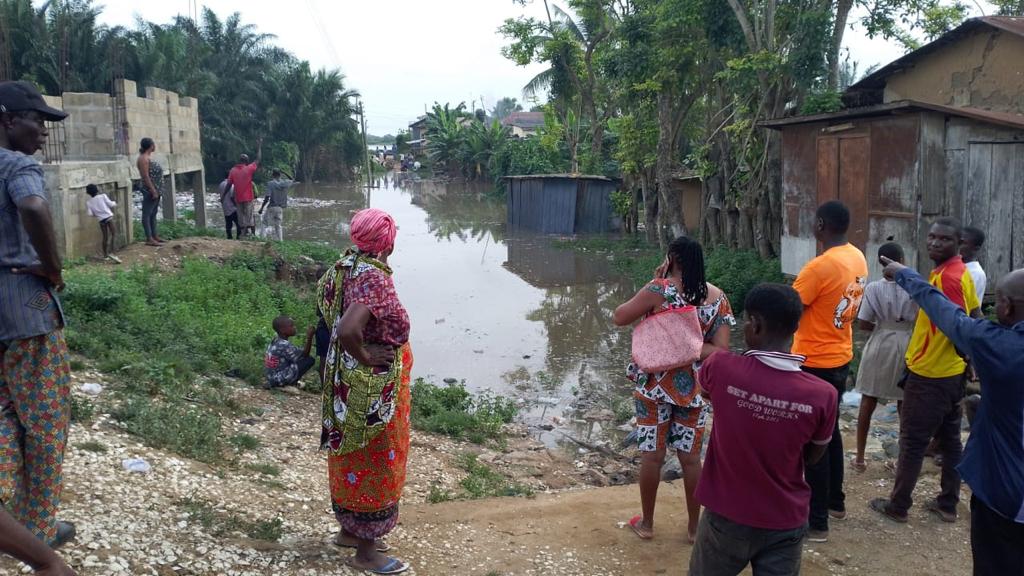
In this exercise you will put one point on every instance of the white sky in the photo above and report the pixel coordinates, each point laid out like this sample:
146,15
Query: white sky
404,54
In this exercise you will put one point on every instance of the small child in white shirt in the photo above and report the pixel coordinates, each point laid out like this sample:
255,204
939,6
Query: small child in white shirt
101,207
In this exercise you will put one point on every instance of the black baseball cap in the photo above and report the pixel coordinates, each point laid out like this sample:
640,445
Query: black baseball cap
20,96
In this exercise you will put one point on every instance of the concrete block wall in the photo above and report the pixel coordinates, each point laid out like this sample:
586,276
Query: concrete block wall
89,127
78,233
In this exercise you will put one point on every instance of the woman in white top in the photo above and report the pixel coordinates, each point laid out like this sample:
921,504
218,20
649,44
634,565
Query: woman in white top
886,311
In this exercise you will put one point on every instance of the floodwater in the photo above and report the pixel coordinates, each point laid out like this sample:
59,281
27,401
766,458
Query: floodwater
513,315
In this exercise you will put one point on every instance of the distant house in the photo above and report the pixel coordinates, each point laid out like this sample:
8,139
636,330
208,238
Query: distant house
523,124
938,132
418,135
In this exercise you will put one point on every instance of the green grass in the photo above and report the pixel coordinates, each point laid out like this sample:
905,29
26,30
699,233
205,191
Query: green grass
76,365
265,469
82,410
438,495
161,333
223,523
180,427
91,446
244,442
451,410
483,482
734,271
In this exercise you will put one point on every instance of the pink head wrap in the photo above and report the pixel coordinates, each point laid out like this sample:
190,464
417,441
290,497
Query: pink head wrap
373,230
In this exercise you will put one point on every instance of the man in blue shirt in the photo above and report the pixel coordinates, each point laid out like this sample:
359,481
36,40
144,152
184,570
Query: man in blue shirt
35,398
993,461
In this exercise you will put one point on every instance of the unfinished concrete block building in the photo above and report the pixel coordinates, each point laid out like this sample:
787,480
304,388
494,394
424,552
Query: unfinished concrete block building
98,144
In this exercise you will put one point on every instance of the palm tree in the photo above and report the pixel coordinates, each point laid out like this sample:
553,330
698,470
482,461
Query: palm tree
445,139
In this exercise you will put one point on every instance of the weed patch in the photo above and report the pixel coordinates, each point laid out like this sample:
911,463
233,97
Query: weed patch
243,442
483,482
265,469
91,446
221,523
438,495
451,410
187,430
82,410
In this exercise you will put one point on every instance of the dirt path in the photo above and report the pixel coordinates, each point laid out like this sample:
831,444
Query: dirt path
188,518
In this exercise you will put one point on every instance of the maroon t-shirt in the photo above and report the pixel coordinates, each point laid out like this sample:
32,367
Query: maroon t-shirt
765,411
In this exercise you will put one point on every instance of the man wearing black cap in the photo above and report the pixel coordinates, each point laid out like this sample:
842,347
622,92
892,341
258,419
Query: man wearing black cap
35,403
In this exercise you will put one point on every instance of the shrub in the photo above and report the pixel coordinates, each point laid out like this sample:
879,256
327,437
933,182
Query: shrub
82,410
451,410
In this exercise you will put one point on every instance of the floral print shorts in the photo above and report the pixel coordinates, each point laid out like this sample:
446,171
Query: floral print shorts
661,424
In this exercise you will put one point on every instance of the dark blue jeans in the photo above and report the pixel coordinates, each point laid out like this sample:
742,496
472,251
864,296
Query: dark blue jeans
826,475
150,206
725,548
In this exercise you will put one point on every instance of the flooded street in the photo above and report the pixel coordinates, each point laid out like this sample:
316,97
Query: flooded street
514,315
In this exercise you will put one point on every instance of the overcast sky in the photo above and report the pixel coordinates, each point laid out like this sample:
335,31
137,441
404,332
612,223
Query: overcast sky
402,55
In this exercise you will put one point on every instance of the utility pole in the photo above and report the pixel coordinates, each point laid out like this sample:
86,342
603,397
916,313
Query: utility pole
366,152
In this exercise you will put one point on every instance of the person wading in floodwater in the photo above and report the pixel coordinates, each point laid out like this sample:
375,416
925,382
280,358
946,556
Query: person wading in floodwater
669,408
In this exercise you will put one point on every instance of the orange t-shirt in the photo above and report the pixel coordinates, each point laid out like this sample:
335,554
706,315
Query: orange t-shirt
831,287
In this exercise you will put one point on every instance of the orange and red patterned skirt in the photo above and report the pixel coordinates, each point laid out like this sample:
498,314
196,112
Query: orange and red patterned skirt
366,484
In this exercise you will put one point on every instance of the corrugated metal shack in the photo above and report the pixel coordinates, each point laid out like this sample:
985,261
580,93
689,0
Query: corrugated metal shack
939,132
561,204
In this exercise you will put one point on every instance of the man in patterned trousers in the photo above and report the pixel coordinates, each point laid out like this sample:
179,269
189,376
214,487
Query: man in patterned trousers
34,374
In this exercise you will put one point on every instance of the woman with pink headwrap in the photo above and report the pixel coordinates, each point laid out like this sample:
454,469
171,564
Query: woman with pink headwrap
366,372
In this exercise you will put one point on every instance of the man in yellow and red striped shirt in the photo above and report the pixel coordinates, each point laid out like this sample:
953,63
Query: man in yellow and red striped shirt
934,385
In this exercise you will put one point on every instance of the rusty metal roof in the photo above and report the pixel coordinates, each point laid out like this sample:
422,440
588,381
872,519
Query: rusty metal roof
876,80
902,106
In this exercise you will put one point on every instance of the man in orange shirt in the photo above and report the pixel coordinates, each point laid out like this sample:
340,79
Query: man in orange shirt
934,385
831,287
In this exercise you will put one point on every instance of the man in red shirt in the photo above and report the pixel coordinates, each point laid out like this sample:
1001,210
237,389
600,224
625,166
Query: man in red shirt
241,178
771,419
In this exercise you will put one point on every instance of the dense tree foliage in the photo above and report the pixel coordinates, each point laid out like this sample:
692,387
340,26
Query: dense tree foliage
247,87
646,89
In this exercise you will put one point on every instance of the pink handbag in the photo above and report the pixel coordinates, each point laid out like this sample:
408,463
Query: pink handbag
668,339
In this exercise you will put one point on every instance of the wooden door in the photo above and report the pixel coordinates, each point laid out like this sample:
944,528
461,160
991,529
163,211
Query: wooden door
843,165
994,203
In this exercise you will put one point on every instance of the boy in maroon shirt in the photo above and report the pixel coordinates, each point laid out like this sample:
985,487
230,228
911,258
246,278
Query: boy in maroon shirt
771,419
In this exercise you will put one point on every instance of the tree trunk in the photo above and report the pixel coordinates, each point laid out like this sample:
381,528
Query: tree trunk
671,213
839,28
650,209
774,195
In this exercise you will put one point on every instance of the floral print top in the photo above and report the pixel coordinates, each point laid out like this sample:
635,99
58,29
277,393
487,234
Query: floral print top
372,287
679,386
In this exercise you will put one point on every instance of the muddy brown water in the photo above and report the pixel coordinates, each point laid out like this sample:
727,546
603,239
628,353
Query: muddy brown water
516,316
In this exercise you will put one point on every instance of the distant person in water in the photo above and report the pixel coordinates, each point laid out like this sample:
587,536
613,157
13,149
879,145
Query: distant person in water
101,207
227,203
888,314
285,364
670,412
277,196
240,178
771,420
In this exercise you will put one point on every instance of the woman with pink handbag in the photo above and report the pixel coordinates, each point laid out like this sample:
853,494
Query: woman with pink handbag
685,319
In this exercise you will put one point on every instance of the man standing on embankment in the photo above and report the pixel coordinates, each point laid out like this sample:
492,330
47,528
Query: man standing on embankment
35,396
241,178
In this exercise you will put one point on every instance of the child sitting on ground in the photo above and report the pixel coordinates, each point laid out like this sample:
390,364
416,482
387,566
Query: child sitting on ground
101,207
285,364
